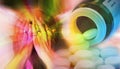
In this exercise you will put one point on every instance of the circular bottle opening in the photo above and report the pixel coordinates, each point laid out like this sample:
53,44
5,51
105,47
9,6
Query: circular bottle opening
87,20
84,23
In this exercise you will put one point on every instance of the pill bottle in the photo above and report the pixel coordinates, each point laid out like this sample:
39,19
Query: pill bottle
102,15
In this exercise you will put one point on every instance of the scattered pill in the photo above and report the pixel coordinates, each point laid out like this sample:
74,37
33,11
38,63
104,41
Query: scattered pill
114,60
84,54
81,55
95,51
90,34
85,64
108,52
105,67
98,61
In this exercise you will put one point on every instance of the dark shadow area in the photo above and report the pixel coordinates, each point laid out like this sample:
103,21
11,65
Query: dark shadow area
36,61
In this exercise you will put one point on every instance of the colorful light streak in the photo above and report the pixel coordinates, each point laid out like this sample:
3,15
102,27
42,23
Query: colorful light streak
31,30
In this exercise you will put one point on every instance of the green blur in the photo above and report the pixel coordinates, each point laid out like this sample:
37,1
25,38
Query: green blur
50,7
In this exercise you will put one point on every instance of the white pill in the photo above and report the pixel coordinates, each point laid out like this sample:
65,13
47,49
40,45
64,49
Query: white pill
85,64
108,52
90,34
98,61
105,67
114,60
81,55
95,51
84,54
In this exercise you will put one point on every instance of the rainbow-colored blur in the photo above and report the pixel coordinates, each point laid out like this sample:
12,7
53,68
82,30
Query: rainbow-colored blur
39,29
33,28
